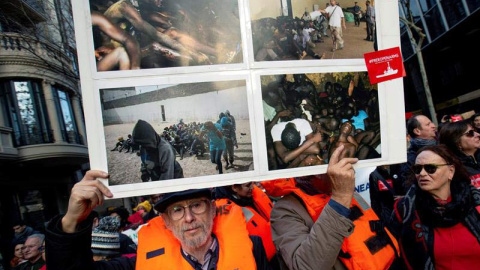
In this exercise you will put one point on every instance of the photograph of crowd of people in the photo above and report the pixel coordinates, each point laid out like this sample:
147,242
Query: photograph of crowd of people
305,29
141,34
162,132
307,116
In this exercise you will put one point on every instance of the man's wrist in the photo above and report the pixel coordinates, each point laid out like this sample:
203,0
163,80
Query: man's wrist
69,225
343,199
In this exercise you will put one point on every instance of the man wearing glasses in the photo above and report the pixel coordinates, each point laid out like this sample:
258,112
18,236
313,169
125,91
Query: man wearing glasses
188,234
32,252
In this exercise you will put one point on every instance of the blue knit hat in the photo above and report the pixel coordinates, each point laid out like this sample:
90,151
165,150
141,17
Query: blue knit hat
105,237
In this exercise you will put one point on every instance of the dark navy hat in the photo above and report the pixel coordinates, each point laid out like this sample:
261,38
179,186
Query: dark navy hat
173,197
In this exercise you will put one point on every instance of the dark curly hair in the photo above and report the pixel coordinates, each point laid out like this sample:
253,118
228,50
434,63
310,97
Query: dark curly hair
290,136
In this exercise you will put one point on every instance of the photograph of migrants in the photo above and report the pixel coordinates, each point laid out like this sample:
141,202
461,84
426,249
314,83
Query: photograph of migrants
285,30
144,34
163,132
307,116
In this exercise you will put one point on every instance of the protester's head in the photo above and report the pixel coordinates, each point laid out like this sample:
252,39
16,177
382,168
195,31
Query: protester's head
460,137
121,214
189,215
420,126
32,250
291,136
154,198
17,251
333,2
475,119
227,112
19,226
367,3
243,190
435,168
143,207
106,238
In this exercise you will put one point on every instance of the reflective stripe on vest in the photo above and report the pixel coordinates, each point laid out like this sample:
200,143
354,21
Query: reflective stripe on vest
257,224
370,244
159,249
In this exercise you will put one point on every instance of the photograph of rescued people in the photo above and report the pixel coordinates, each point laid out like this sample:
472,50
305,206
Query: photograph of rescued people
154,132
437,222
307,116
464,141
190,233
300,30
321,223
163,33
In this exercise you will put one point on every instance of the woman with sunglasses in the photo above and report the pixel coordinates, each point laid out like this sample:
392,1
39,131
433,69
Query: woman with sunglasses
437,222
464,141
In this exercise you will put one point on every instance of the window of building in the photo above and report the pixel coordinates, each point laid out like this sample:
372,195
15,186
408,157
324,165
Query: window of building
67,118
427,4
26,111
434,22
454,11
473,5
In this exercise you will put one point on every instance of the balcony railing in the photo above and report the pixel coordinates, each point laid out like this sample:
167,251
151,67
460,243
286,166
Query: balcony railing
17,44
24,11
72,137
33,137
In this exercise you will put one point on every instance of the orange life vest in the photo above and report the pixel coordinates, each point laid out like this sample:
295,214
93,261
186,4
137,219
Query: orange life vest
370,246
258,220
159,249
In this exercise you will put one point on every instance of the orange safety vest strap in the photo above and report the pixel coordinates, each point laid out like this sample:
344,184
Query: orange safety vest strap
159,249
256,224
262,202
370,246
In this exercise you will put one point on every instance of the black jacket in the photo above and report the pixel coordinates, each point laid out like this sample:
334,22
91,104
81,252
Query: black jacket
72,251
471,163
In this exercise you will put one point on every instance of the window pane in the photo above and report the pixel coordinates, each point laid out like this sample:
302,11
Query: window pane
454,11
407,49
68,119
427,4
27,111
434,22
473,5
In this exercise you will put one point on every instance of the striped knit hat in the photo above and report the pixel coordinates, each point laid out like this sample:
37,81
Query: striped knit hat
105,237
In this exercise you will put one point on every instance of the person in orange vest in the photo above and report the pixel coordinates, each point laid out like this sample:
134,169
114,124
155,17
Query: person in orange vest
320,223
189,234
256,207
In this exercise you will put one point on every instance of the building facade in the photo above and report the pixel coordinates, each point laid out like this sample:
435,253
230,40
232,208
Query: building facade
449,52
42,130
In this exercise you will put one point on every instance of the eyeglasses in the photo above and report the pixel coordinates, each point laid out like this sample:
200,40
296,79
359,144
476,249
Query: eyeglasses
177,212
470,133
429,168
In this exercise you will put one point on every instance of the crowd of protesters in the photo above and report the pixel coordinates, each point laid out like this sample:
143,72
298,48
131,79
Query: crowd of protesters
426,217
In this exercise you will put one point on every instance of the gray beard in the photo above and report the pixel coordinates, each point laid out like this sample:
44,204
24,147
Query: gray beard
198,241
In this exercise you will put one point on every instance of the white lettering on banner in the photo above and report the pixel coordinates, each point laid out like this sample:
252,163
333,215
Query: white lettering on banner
384,58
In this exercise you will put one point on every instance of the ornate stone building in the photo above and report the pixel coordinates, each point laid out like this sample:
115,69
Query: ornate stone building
42,130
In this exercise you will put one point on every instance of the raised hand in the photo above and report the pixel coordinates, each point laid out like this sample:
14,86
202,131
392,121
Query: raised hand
342,177
85,196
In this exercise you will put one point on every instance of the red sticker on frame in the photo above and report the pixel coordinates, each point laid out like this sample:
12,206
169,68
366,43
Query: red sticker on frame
384,65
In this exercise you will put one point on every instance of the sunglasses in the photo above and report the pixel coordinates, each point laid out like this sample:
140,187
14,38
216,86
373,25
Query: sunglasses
429,168
470,133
